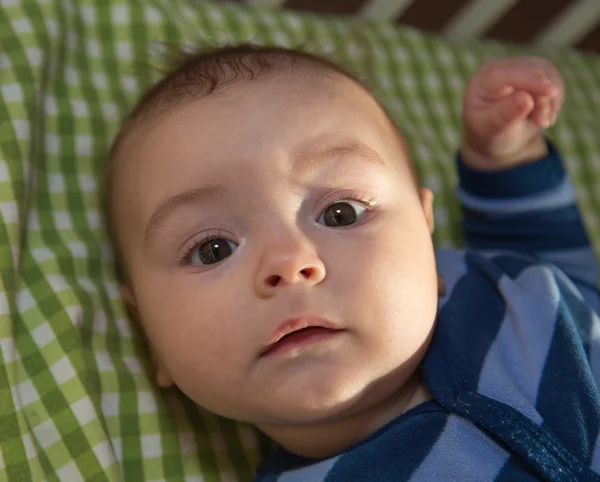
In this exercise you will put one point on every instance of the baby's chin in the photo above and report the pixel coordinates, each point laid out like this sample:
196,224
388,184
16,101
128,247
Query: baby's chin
331,400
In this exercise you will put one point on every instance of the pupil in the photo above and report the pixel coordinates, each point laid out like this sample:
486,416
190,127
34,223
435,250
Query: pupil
214,251
341,214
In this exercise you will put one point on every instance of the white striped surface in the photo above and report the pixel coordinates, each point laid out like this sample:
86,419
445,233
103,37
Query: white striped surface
477,17
572,25
385,9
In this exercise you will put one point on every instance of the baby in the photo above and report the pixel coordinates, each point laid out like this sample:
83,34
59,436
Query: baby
276,251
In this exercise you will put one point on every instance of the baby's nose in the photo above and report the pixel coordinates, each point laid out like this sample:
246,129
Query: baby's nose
295,265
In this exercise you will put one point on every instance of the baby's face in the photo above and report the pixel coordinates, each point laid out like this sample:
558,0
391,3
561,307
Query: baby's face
273,206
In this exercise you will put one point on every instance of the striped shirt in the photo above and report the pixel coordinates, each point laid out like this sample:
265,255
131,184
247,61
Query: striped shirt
514,363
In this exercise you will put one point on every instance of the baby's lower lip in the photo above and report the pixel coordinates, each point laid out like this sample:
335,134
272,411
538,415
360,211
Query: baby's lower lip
301,338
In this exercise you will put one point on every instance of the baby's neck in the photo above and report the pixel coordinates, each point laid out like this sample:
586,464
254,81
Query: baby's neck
329,438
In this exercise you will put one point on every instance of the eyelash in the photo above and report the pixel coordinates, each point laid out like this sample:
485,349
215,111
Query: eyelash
184,258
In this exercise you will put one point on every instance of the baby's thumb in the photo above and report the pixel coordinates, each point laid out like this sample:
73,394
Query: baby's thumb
507,112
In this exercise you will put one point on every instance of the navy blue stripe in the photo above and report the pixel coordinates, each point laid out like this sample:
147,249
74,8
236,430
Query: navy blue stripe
567,397
521,181
526,232
513,265
515,471
478,319
395,454
583,316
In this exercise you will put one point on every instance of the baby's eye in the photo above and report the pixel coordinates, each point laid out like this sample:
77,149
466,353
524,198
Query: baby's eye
342,213
212,251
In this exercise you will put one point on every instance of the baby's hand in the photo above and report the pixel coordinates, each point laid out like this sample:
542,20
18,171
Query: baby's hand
507,103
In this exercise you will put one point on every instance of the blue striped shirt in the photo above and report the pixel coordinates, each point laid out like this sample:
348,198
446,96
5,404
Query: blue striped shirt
514,363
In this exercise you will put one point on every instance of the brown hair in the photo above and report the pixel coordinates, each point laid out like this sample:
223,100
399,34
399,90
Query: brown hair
207,73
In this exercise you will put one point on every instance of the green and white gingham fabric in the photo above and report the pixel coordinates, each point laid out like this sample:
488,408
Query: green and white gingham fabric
77,399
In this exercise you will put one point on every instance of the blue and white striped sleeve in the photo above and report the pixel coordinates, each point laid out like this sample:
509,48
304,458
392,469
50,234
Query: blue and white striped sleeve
529,209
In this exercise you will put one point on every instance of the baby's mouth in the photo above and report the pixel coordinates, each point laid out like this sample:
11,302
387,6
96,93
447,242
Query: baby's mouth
299,332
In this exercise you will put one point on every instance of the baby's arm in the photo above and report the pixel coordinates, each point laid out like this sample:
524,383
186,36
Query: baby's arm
513,188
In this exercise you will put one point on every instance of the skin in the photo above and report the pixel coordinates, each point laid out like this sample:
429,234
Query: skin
375,279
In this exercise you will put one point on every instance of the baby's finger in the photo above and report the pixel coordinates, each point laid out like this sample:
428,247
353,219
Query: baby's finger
507,112
542,114
499,82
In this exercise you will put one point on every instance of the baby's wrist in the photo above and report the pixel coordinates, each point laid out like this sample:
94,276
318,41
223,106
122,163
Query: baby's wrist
481,160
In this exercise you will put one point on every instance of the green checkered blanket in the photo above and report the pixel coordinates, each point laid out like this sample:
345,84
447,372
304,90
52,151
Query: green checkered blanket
77,400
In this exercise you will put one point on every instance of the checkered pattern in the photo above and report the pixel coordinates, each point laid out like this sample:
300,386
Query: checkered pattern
77,401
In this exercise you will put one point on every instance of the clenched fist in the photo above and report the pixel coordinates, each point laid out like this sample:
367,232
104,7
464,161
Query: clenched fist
507,103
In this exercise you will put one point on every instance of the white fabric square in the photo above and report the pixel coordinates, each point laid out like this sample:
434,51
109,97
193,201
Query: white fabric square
124,50
83,145
30,450
104,362
110,404
151,446
25,300
4,174
46,434
69,472
152,15
62,219
99,325
52,144
75,314
87,284
33,223
120,14
41,254
80,108
86,182
12,92
110,111
34,55
88,13
21,25
57,282
51,27
78,249
146,402
93,219
129,84
84,411
56,183
42,335
99,80
93,48
132,364
4,62
8,347
104,454
62,370
117,448
9,212
72,76
123,327
21,128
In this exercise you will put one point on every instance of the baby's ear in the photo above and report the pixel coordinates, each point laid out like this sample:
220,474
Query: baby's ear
163,378
129,298
426,197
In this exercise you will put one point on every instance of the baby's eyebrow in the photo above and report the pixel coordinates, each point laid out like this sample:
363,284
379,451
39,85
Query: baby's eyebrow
195,195
311,160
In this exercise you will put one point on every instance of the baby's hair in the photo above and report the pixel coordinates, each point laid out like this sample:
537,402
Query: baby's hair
208,73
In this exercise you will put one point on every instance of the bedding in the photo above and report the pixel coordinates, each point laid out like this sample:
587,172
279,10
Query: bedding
77,397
